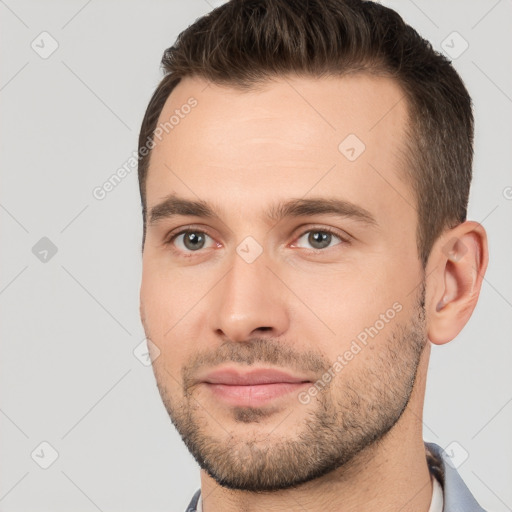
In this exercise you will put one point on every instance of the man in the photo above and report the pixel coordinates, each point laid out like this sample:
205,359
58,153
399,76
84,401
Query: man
305,170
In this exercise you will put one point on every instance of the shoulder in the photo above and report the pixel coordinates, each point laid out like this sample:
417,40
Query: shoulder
192,507
457,497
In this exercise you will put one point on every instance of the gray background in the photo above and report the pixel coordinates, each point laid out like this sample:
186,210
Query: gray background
70,321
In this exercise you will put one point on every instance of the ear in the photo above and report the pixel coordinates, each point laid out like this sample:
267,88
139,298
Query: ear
455,271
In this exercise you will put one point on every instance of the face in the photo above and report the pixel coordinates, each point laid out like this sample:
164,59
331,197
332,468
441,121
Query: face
282,291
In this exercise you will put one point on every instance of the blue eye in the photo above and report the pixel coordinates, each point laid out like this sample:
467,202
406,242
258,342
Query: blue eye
319,239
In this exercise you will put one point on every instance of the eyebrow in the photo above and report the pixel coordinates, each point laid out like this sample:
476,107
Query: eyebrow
173,205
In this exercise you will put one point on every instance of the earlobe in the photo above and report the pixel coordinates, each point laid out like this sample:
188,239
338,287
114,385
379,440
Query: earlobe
457,264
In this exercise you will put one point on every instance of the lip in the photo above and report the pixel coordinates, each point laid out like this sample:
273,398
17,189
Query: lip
252,388
233,377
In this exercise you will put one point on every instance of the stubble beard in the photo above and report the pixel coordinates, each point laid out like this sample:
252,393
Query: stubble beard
351,415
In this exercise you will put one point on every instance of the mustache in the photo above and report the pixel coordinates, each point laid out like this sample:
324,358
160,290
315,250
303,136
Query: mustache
256,350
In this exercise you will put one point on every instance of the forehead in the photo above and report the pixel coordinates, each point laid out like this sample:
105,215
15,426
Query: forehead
285,137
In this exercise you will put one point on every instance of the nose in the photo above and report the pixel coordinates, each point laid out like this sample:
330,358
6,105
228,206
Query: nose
250,301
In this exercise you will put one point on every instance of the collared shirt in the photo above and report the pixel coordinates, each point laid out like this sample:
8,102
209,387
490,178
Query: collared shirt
436,504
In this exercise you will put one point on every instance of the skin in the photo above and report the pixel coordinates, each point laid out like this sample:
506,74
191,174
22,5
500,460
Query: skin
242,152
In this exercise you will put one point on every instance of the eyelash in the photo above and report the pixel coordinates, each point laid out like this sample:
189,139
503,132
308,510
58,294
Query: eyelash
344,240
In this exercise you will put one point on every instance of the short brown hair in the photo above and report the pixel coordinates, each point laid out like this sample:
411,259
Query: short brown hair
244,43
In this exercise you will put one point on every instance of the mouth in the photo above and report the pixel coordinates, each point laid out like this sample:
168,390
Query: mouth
252,388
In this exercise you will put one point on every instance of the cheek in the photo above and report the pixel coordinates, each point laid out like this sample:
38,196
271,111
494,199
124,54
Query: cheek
166,295
164,304
172,349
342,303
351,314
174,303
156,303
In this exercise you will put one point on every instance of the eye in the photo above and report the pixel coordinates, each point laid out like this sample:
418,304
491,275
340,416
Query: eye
318,239
191,240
